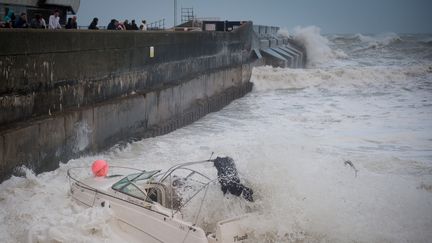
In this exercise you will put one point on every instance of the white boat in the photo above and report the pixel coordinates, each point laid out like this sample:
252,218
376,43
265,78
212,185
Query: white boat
148,204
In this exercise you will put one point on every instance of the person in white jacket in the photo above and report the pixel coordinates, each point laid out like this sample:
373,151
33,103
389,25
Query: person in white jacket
54,20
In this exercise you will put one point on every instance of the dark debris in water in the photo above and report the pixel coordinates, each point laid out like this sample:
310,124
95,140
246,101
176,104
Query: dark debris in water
348,162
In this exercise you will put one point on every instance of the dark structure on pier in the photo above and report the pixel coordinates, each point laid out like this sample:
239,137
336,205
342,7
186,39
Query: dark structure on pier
42,7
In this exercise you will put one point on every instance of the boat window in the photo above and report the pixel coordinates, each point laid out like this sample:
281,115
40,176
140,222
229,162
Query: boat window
142,176
120,184
133,178
133,190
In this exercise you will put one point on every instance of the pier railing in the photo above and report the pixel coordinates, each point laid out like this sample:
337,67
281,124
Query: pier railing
156,25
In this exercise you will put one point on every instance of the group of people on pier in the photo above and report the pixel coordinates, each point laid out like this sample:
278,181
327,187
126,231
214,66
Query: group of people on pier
116,25
38,22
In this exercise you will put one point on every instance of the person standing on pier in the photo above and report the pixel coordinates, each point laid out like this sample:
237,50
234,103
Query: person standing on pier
134,25
38,22
21,22
127,25
112,25
54,20
72,23
93,24
9,19
144,26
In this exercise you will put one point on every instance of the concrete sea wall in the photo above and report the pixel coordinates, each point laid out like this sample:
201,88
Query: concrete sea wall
66,93
275,50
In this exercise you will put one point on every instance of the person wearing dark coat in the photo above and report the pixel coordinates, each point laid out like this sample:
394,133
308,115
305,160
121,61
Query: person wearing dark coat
93,24
72,23
112,25
134,26
21,22
38,22
127,25
69,23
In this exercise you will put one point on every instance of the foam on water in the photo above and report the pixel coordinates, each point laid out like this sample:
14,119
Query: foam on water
289,138
269,78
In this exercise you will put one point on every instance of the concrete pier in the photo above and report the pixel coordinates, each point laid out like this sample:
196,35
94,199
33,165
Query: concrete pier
68,93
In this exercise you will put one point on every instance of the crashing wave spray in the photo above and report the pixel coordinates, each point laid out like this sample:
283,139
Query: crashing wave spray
317,46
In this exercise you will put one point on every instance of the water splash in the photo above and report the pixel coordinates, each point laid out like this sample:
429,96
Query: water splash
317,46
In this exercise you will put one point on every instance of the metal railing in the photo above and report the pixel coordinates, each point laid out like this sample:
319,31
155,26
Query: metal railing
85,27
156,25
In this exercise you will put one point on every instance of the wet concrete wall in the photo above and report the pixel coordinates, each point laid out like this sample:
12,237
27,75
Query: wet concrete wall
276,50
66,93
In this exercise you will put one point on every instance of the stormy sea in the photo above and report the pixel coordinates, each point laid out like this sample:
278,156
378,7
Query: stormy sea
363,98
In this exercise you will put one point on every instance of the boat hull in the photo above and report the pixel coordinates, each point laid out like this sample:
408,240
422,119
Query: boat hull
144,221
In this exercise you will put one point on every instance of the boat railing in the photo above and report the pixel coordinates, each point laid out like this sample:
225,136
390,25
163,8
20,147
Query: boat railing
183,166
167,176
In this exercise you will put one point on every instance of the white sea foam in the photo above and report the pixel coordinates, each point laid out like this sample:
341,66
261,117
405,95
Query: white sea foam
269,78
317,46
284,32
380,40
427,41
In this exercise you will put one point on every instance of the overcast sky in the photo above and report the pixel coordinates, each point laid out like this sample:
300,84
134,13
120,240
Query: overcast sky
332,16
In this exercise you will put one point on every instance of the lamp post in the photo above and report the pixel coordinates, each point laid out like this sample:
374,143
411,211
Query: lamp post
175,13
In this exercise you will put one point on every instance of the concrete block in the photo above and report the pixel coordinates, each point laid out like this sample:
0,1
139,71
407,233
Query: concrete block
273,58
3,173
264,43
291,59
79,129
176,98
21,147
106,125
165,104
15,107
6,73
94,64
132,118
151,102
95,40
64,66
188,94
246,72
41,41
279,41
19,43
51,143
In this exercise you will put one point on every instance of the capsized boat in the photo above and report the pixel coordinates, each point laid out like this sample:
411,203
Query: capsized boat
148,204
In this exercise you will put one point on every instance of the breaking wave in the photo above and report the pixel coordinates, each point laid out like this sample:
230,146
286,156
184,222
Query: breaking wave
427,42
269,78
380,40
284,32
317,46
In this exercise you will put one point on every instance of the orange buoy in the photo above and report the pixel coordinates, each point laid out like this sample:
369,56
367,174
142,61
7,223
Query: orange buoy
100,168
